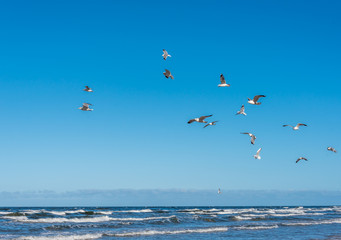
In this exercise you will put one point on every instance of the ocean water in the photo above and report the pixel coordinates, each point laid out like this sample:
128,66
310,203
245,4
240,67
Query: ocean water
171,223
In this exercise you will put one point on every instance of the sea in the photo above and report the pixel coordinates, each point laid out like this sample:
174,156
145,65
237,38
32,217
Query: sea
81,223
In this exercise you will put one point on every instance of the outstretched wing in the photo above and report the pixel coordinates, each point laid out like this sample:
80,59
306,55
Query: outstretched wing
86,104
190,121
255,99
206,125
203,117
287,125
222,79
301,124
259,151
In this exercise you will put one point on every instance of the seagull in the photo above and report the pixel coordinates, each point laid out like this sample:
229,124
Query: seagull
200,119
301,158
87,89
241,111
165,54
255,99
331,149
253,137
86,107
223,82
219,192
296,127
257,154
210,124
168,74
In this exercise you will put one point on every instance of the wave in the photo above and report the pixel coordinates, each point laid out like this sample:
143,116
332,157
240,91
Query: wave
157,232
136,211
84,220
256,227
331,221
63,237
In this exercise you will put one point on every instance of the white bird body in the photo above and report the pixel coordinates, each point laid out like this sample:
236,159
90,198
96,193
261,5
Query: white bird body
87,89
241,111
255,99
257,156
223,82
297,127
219,192
86,107
165,54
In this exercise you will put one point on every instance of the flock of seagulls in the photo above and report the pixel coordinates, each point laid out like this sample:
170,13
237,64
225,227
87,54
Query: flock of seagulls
223,83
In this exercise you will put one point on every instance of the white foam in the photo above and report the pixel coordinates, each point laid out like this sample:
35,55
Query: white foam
156,232
242,218
136,211
259,227
331,221
4,213
82,220
63,237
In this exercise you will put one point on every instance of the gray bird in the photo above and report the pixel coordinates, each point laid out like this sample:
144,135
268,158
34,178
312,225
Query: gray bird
165,54
255,99
331,149
296,127
168,74
210,124
301,158
200,119
86,107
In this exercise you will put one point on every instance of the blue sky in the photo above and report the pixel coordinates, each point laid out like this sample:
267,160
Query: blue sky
137,136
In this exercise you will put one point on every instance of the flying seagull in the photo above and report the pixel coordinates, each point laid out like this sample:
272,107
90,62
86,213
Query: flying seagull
223,82
87,89
210,124
255,99
331,149
301,158
200,119
219,192
165,54
296,127
257,154
253,137
168,74
241,111
86,107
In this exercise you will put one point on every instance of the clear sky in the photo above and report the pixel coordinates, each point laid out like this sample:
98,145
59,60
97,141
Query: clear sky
137,137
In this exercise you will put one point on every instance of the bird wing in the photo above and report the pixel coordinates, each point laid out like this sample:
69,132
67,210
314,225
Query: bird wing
203,117
255,99
222,79
301,124
167,73
206,125
190,121
259,151
253,138
171,76
87,87
287,125
242,108
86,104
